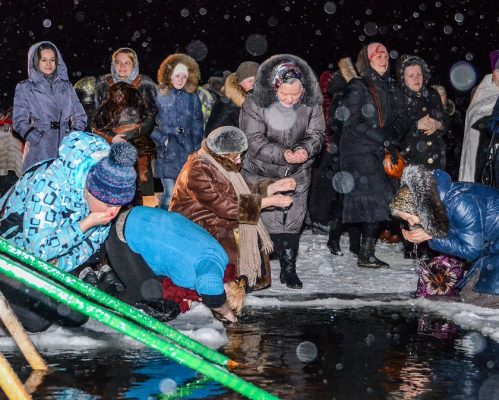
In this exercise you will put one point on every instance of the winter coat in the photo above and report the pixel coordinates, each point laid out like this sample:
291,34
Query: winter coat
226,110
368,190
43,209
179,130
418,148
473,214
480,106
161,238
271,129
206,197
453,139
46,110
144,85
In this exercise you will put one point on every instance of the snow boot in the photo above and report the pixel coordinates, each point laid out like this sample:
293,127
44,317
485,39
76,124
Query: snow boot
161,309
89,276
367,258
109,278
333,243
287,259
354,237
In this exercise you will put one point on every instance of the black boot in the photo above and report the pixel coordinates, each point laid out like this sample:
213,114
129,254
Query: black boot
161,309
333,243
109,278
287,259
354,234
367,258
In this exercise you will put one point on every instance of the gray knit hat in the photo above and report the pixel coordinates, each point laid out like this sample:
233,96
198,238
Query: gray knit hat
226,140
245,70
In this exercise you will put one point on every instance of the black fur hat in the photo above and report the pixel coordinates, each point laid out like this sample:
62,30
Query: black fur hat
418,196
226,140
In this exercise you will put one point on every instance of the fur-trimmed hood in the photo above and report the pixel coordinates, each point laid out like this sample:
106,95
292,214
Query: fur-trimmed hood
168,65
263,92
423,198
233,90
347,69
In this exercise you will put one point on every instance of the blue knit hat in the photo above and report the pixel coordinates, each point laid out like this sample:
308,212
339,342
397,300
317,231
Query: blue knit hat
113,179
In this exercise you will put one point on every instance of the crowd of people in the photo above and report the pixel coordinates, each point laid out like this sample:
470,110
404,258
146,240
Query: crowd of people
246,162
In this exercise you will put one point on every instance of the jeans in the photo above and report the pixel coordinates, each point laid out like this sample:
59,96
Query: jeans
168,185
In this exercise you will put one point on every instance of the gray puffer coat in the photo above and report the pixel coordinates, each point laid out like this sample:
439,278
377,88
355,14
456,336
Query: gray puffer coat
271,129
46,110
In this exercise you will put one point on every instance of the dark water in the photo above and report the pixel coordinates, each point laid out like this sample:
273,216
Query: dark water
368,353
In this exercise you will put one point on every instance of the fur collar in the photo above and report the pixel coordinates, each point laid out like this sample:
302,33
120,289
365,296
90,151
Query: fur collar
233,91
263,93
428,205
347,69
224,161
167,66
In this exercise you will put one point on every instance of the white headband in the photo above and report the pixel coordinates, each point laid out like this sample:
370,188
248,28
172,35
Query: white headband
180,69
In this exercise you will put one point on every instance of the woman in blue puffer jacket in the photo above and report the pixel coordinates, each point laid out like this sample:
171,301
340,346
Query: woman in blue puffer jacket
46,107
457,218
179,119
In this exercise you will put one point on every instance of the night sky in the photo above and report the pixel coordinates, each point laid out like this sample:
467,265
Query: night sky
221,34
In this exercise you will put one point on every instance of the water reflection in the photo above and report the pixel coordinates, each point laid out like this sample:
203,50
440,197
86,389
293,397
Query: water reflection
367,353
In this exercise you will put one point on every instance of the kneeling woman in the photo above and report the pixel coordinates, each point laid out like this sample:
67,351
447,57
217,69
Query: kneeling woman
146,244
211,192
457,218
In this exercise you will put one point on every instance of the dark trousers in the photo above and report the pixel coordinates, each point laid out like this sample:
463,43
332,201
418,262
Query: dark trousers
139,281
36,311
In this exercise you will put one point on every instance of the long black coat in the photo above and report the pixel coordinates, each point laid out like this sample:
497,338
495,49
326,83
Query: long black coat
368,190
418,148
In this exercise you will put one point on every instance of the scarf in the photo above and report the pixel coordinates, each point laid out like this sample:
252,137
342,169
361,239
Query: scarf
249,253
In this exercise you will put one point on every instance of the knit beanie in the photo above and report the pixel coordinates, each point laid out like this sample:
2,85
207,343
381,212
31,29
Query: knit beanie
180,69
374,49
494,60
226,140
112,180
245,70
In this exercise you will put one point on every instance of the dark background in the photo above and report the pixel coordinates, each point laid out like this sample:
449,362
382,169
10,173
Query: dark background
219,33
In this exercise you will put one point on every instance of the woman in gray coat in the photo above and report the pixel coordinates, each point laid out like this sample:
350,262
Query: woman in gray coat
285,126
46,107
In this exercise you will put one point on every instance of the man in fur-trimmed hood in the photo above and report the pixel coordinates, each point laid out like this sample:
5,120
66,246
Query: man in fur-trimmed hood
284,123
457,218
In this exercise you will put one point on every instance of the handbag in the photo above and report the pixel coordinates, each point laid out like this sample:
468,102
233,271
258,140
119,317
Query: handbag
438,276
393,170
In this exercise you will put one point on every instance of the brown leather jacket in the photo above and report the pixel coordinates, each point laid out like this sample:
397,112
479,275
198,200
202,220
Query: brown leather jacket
206,197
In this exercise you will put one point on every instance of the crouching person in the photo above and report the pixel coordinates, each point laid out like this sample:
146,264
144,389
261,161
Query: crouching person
211,192
456,218
147,244
60,211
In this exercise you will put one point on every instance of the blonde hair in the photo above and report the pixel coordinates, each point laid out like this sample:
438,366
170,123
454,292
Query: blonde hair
129,52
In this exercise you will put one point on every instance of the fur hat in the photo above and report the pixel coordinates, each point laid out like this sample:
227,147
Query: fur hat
418,196
246,69
113,179
494,60
263,91
226,140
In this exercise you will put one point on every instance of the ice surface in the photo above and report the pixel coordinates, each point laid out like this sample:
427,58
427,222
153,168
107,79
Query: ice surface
329,282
